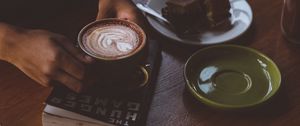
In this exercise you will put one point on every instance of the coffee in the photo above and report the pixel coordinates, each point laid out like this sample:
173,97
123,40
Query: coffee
112,39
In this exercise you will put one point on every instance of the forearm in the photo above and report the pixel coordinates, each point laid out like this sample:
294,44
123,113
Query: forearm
3,32
8,36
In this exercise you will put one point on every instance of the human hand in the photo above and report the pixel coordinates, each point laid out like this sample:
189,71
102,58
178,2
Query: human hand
123,9
46,57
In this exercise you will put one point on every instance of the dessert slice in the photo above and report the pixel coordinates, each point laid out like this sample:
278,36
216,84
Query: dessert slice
217,11
192,16
187,16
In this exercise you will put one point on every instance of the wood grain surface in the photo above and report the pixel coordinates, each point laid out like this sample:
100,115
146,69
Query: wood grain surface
21,99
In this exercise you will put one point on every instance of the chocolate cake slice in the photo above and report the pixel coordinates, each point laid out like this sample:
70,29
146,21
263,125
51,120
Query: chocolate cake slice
187,16
217,11
193,16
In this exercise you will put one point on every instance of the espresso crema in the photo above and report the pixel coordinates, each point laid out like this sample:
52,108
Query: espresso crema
111,41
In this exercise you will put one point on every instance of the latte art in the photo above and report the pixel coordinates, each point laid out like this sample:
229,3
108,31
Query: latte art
111,41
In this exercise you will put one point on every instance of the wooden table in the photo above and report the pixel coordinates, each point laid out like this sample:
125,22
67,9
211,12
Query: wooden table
21,99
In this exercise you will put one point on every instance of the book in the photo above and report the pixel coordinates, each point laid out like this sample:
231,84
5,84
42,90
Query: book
99,107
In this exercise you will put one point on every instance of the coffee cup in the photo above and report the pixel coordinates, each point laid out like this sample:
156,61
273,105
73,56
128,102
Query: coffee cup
290,20
119,46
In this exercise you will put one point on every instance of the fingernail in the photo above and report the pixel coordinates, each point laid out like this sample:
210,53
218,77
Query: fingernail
124,18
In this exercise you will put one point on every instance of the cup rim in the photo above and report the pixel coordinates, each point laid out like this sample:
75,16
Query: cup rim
136,26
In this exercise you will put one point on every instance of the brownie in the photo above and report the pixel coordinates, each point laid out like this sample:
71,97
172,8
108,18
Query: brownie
185,15
217,11
193,16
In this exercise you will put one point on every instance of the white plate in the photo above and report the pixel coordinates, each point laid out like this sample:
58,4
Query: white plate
241,19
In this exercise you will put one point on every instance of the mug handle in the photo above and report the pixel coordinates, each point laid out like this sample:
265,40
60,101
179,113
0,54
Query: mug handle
145,71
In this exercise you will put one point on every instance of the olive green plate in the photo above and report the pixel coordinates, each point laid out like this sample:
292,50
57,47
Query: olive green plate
231,76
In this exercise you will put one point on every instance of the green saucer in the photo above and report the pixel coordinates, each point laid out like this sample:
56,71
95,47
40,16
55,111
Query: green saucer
231,76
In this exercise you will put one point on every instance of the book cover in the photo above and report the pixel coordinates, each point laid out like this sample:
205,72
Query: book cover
128,108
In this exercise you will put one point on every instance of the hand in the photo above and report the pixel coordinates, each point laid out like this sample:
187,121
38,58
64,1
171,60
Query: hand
46,57
123,9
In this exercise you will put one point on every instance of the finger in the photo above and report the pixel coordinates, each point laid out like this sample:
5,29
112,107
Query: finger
69,81
131,15
69,46
72,66
127,16
105,9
